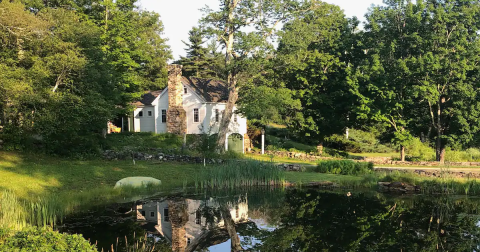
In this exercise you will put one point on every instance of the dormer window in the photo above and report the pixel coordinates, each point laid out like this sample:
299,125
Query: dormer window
185,91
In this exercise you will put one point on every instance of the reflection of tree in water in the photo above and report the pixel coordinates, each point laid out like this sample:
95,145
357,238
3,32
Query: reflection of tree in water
316,221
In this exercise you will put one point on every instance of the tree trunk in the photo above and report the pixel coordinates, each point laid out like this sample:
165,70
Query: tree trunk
232,80
440,149
232,232
402,153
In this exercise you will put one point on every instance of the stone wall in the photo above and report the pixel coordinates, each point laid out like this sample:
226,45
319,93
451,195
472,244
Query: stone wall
157,155
390,161
434,173
295,155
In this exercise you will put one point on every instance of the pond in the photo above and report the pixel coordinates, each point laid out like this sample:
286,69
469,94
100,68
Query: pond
283,220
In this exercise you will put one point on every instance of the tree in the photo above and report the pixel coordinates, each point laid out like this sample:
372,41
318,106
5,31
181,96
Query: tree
446,76
198,62
385,93
228,24
314,54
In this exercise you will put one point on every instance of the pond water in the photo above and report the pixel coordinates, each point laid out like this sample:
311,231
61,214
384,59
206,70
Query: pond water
284,220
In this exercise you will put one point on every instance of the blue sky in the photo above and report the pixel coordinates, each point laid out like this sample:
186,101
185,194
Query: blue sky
179,16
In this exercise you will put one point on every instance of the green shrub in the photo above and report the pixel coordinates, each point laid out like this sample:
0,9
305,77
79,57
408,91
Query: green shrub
142,141
359,142
45,239
344,167
418,151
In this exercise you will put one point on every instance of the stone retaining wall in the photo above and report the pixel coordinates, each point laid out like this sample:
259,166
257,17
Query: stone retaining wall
389,161
434,174
295,155
159,156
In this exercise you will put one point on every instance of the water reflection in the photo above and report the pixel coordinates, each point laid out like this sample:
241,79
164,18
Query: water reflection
290,220
190,224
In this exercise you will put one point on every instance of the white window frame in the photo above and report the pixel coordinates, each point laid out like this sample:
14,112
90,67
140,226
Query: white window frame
198,111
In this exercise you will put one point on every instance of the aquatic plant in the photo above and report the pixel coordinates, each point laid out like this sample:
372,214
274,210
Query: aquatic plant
240,173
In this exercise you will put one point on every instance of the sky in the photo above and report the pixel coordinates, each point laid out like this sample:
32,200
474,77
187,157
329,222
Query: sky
179,16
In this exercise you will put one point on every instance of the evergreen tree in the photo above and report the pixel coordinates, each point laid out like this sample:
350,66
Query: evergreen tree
200,61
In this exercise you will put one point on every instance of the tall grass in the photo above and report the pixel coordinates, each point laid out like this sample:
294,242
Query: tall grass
240,174
17,213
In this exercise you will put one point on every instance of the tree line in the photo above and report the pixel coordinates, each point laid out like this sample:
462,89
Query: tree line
412,68
68,66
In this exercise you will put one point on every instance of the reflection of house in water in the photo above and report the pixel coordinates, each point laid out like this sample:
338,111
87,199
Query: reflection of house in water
186,223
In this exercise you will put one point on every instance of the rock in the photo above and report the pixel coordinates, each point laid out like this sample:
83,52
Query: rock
137,182
396,185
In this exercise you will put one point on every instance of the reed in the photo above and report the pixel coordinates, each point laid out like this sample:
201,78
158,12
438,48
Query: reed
17,213
240,174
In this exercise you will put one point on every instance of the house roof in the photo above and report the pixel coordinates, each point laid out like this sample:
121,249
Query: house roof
148,98
209,89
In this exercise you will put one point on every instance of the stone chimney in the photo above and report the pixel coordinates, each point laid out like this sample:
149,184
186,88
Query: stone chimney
176,115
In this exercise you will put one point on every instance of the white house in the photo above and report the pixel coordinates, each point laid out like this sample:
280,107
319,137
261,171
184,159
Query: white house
192,226
191,106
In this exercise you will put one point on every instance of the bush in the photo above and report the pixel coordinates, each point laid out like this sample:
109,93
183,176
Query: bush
359,142
142,141
45,239
345,167
418,151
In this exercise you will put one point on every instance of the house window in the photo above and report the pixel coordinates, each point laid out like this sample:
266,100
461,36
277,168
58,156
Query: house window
152,214
198,217
140,114
165,215
217,115
149,113
196,116
235,119
143,213
185,91
164,115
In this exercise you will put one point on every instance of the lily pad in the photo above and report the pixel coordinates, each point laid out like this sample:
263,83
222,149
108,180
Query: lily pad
137,182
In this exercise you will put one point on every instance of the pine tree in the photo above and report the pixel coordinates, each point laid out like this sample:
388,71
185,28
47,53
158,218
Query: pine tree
198,62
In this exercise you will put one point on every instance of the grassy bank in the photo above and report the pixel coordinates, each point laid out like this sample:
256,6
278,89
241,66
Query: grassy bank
44,189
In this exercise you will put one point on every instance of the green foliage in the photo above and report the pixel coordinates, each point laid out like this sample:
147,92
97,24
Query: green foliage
240,174
45,239
359,141
418,151
201,62
344,167
313,58
142,141
64,72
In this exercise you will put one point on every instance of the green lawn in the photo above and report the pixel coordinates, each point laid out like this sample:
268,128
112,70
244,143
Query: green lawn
29,176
